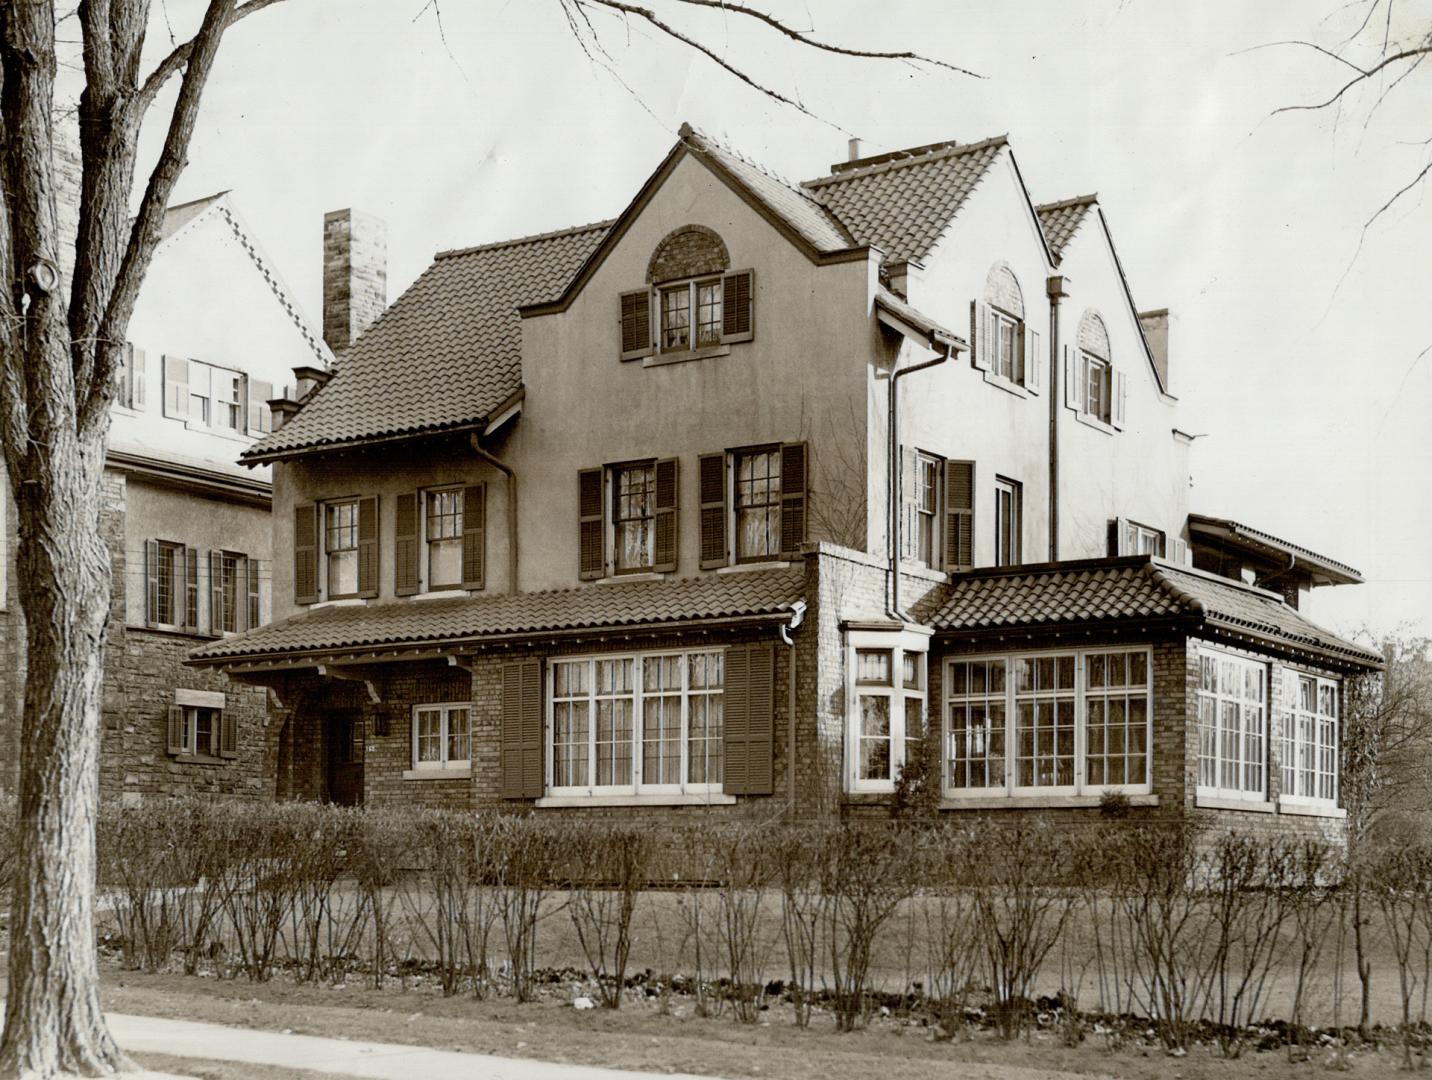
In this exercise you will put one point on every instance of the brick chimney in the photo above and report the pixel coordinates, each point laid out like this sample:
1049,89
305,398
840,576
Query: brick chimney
355,275
1155,324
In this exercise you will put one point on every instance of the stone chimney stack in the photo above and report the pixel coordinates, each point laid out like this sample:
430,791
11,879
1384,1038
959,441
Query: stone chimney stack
355,275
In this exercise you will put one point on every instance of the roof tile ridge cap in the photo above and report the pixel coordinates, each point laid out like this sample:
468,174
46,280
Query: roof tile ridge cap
958,150
700,141
1159,575
517,241
1064,204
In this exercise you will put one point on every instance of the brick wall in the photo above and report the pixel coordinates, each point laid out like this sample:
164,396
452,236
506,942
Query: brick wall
690,251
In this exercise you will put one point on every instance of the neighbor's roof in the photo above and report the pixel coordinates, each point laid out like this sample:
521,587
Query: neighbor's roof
906,316
446,355
1107,591
1246,538
176,217
903,201
404,625
1061,220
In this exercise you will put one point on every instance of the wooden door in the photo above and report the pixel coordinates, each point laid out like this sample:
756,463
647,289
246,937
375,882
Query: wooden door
343,753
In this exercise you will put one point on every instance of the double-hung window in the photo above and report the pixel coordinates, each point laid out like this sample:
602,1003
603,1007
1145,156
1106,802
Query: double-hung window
1048,723
1008,495
442,737
1309,746
633,490
340,548
443,535
1007,359
887,696
640,723
920,540
758,504
1232,726
1097,383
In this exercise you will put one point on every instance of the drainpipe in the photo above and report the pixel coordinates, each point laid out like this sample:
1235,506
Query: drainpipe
798,610
511,509
1057,287
895,478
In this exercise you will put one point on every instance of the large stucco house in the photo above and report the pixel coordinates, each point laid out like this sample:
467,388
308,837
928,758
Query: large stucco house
741,497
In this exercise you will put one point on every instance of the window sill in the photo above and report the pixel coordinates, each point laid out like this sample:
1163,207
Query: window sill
199,759
751,567
1214,802
433,594
464,773
713,799
346,601
1310,809
1095,423
660,359
232,434
616,579
1035,802
1007,385
173,631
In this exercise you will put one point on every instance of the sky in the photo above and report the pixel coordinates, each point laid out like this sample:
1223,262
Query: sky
1298,337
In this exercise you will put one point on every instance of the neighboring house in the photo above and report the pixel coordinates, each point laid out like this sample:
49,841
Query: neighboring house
605,518
215,335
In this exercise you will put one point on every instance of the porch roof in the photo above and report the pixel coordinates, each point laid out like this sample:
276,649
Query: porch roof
406,625
1106,592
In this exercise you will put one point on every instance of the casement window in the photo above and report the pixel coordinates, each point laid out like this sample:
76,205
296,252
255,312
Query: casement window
626,518
1131,538
440,538
201,732
133,388
646,722
922,481
226,601
442,736
335,550
1309,744
886,691
1093,387
1050,723
1008,522
703,312
1232,726
1097,378
207,395
1004,346
233,582
166,568
753,504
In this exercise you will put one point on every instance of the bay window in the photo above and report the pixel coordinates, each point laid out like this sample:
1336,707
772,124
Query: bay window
886,691
1309,746
1232,726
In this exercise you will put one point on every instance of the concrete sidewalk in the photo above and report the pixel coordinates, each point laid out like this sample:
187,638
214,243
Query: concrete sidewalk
383,1061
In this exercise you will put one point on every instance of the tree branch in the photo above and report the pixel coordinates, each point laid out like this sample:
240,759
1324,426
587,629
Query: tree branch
1363,75
171,64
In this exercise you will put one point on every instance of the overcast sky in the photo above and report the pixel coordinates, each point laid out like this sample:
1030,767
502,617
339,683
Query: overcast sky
1295,354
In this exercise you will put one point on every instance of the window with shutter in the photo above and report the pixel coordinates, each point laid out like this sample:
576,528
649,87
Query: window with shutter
749,720
444,542
191,589
636,324
712,479
522,766
151,582
228,735
368,547
1008,496
738,319
665,516
474,536
405,544
176,387
959,515
591,556
178,742
921,476
1033,360
216,593
305,554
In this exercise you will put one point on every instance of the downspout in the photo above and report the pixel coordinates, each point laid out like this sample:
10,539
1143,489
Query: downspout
895,479
1057,288
798,610
511,508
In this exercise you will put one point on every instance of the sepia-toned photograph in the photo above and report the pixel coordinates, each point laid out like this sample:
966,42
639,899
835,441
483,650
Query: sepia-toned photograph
718,539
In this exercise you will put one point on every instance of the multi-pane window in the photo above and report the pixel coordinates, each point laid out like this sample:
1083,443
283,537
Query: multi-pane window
443,533
169,575
625,724
1232,726
1007,361
758,504
1007,498
922,530
1097,383
1049,723
199,734
1310,739
888,717
676,318
1142,540
442,736
228,398
233,582
708,313
679,331
340,547
634,500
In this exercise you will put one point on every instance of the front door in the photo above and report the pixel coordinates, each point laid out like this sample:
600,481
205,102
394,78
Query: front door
343,752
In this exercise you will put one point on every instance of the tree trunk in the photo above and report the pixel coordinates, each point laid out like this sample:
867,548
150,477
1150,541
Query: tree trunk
1364,962
53,1022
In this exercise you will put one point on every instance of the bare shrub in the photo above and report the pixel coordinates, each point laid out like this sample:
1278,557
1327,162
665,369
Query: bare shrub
799,852
140,861
610,869
261,881
379,853
745,861
529,860
1313,914
950,930
1400,877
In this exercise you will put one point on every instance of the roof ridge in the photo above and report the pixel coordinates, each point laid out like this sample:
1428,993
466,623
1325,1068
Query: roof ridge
1076,200
1156,574
899,159
571,230
691,132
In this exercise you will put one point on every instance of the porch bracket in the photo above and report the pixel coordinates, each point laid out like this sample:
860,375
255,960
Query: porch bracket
328,671
463,662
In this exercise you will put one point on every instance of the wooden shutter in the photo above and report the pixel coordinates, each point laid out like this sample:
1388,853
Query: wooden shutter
749,732
522,730
305,554
368,546
1118,530
191,589
228,734
591,549
712,479
255,607
151,582
138,386
793,498
474,536
959,515
665,511
1180,552
1033,360
636,324
979,334
909,503
176,729
176,387
738,322
216,593
1120,392
405,544
1073,392
259,394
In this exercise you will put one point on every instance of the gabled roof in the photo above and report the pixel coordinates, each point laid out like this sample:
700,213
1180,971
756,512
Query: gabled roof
176,217
1061,220
1105,592
471,621
1233,534
447,355
902,202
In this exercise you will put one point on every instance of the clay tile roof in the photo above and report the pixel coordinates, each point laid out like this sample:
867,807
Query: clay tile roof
902,202
1061,220
447,354
1115,590
792,205
470,620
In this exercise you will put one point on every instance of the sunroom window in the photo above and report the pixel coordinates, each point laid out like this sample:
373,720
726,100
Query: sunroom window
887,706
1309,747
1232,726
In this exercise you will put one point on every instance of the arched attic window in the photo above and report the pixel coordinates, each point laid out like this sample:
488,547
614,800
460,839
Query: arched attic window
1094,387
692,301
1003,345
